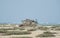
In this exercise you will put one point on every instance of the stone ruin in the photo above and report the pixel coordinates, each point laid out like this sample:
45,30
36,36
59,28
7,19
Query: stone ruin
28,22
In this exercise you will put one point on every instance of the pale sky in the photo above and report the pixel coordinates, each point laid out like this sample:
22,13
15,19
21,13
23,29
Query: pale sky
13,11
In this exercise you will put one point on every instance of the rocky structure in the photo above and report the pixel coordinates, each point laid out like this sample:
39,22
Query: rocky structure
28,22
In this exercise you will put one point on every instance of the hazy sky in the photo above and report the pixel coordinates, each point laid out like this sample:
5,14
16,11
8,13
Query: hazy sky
13,11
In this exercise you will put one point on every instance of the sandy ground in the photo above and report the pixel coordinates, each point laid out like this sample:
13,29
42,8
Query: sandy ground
33,34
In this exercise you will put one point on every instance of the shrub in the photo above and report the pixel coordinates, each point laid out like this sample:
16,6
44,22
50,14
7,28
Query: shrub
21,28
6,28
58,29
21,37
46,34
17,33
32,30
3,31
18,28
43,28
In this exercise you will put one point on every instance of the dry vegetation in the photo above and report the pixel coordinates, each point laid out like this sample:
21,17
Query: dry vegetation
30,30
47,34
21,37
